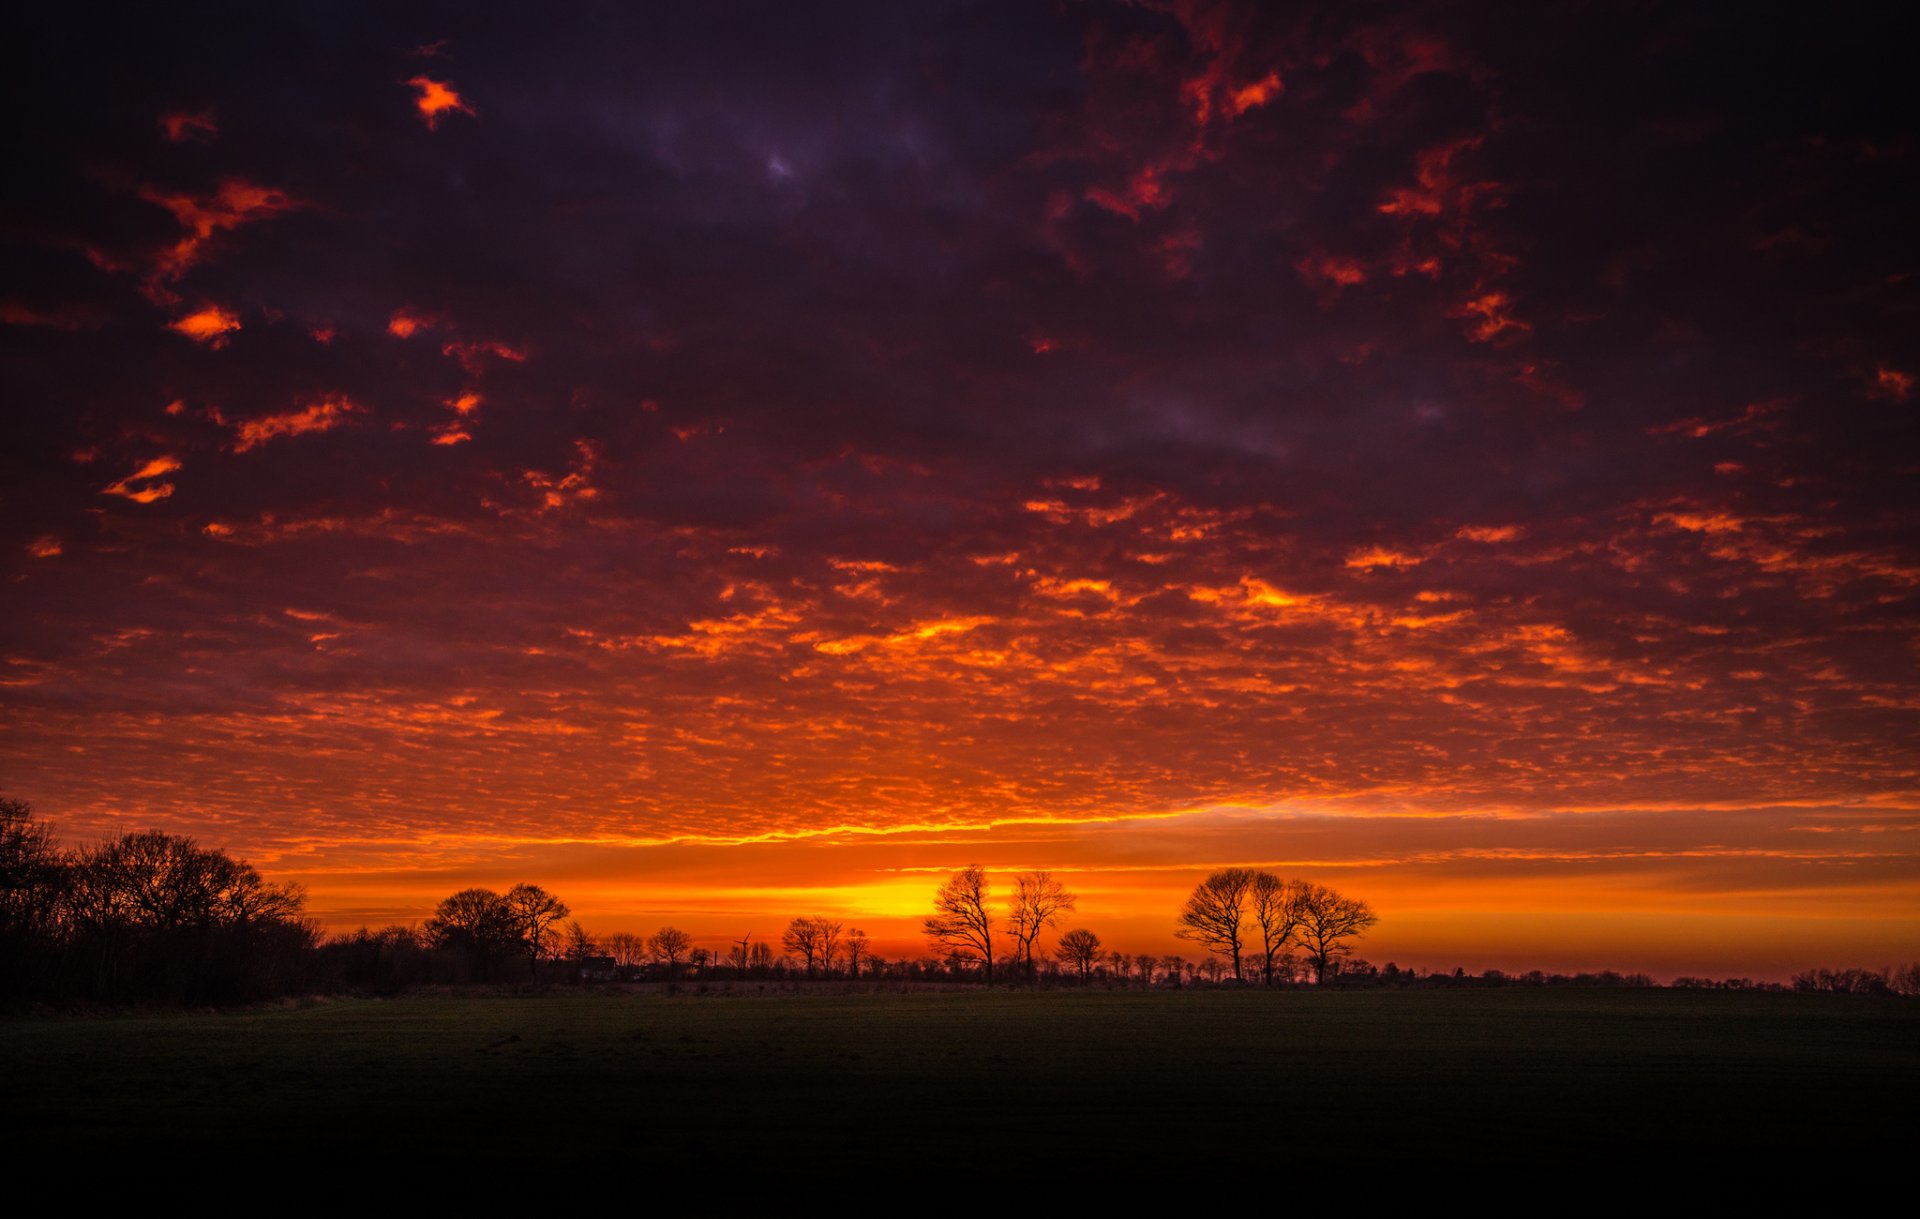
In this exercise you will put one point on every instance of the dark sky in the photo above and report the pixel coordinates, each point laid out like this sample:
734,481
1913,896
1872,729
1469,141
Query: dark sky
454,433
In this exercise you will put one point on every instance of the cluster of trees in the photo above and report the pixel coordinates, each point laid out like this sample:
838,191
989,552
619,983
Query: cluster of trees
1224,913
962,923
1903,980
152,917
144,917
1226,909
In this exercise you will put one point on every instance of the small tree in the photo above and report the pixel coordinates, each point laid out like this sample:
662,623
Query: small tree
960,923
580,946
1079,947
813,940
534,914
856,950
1215,912
1327,920
626,948
1037,903
668,945
1278,907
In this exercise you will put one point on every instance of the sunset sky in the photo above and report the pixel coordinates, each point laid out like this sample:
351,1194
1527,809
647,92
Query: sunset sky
724,462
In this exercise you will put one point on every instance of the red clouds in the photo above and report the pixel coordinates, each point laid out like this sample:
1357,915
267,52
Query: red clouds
233,203
320,416
209,325
436,99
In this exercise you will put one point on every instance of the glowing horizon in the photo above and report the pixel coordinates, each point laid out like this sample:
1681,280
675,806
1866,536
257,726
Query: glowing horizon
721,478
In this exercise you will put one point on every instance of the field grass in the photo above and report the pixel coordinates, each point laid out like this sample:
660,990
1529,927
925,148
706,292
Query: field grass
1070,1082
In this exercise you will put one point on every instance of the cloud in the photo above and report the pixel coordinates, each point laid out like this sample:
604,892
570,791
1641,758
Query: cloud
143,486
181,126
322,415
437,99
210,325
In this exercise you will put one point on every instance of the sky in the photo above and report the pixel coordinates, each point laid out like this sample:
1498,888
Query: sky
727,462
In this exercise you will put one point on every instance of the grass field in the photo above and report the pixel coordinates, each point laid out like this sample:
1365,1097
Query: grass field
1075,1082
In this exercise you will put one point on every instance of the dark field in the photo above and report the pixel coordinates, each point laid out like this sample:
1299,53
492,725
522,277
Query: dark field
1033,1083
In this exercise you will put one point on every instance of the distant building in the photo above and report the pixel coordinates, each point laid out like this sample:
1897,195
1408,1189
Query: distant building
597,969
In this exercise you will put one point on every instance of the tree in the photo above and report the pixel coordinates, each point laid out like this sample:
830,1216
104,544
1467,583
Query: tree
856,949
475,922
625,948
813,940
156,916
1277,911
580,946
156,880
1327,920
960,922
1215,912
533,913
668,945
1079,947
30,873
1037,903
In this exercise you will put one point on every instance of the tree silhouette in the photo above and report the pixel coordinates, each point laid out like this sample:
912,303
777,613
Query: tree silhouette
1327,920
1037,903
857,943
1278,908
813,940
475,922
960,922
1079,947
533,913
668,945
1215,913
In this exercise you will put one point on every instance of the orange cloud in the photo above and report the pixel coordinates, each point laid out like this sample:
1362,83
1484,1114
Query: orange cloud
181,126
321,416
234,203
210,325
147,474
1496,321
573,487
44,547
437,98
405,323
472,355
1379,556
1488,533
1891,383
1331,272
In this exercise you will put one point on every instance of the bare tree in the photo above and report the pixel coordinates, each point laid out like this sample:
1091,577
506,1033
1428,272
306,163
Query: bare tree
1278,907
1327,920
533,913
1079,947
856,949
668,945
30,876
1037,903
960,922
813,940
625,948
580,944
1215,913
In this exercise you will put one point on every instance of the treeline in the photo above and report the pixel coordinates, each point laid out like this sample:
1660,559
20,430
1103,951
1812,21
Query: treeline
154,918
142,918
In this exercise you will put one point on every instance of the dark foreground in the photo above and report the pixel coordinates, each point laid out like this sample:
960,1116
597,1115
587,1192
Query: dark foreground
1067,1086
